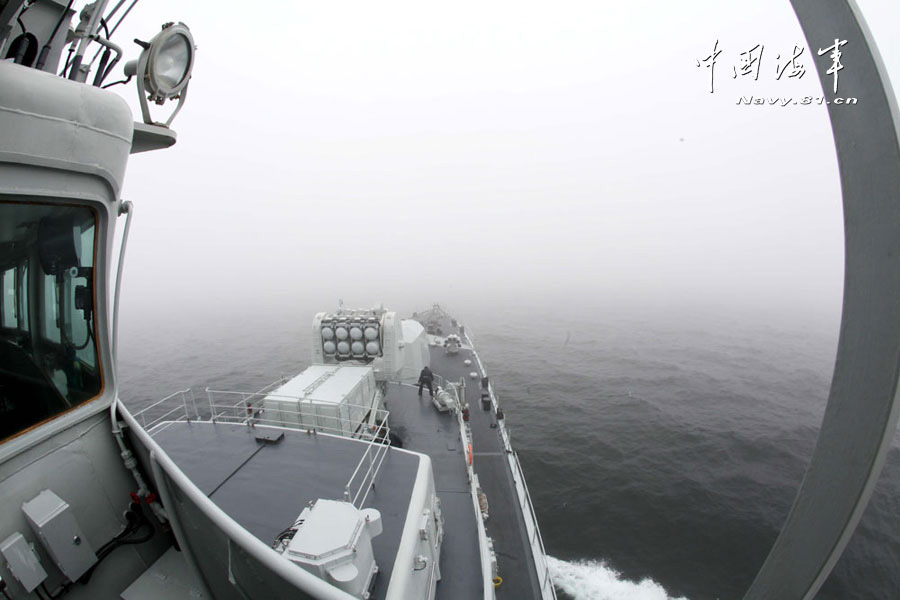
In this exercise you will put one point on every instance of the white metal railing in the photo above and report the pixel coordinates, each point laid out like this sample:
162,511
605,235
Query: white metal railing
374,455
465,436
178,406
370,424
440,381
247,399
223,530
539,553
346,420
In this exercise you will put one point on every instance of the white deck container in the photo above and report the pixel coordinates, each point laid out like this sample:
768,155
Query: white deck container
329,398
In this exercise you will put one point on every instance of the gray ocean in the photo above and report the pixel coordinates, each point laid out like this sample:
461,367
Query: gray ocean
662,449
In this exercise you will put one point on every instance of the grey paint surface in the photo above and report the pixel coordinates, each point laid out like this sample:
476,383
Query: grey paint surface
862,410
169,577
264,487
506,524
423,429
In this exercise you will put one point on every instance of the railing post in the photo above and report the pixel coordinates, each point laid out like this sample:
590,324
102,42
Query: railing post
371,466
212,411
187,414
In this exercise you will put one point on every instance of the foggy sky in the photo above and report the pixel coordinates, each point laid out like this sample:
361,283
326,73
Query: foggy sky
487,152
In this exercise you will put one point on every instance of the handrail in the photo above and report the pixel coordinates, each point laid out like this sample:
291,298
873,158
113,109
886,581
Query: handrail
466,439
233,531
547,588
484,550
186,416
244,395
250,408
536,534
368,479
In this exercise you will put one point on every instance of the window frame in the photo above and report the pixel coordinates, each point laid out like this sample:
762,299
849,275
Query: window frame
29,291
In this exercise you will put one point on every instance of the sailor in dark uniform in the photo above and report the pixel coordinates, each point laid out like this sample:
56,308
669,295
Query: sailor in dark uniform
425,378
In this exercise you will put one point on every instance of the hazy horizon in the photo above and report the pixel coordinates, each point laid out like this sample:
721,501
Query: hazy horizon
543,170
506,153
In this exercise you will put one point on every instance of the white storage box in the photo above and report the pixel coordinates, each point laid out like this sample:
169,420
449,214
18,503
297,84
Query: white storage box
328,398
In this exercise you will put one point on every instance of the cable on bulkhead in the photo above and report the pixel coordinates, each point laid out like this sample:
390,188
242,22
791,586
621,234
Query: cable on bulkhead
42,59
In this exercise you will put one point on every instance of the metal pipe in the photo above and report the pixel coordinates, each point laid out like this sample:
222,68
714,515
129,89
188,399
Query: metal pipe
75,73
126,208
103,69
45,51
130,462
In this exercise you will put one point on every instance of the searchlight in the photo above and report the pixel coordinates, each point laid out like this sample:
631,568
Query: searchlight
164,69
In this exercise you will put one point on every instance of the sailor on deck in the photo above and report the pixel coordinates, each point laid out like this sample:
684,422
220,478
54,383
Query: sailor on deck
425,378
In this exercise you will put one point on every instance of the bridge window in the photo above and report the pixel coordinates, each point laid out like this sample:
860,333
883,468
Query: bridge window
48,348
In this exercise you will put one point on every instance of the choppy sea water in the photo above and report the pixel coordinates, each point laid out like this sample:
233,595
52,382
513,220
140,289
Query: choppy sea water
662,452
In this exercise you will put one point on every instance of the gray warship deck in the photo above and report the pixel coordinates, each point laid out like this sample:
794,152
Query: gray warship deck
264,486
423,429
506,525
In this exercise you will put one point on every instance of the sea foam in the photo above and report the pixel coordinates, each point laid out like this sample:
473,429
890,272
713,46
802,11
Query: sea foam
594,580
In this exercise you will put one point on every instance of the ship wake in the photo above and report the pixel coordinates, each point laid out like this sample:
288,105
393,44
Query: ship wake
594,580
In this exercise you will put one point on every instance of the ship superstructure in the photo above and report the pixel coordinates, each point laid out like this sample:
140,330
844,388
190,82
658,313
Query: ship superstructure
349,449
341,482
